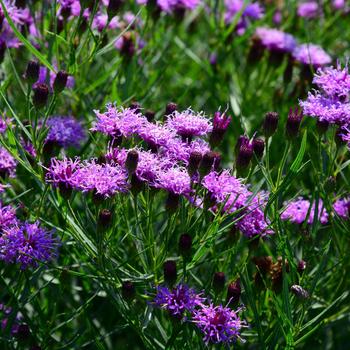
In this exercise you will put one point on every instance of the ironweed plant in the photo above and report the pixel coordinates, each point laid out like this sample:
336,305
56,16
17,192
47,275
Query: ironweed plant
174,174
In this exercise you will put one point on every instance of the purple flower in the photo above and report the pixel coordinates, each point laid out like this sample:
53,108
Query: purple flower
188,123
20,16
156,134
275,40
118,121
178,300
66,131
298,210
342,207
175,180
171,5
219,324
309,9
7,217
7,163
310,54
338,4
4,123
103,179
63,172
27,244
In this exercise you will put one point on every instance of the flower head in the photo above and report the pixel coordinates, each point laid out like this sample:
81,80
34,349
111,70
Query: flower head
310,54
65,131
27,244
7,163
309,9
175,180
342,207
275,40
7,217
298,210
188,123
156,134
118,121
63,172
177,300
219,324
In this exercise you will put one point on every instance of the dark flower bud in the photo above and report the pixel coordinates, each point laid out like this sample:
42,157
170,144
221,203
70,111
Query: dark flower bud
21,332
217,161
113,7
60,82
135,106
172,202
66,11
185,244
128,290
136,185
40,96
322,126
150,115
170,108
104,219
270,123
301,266
242,139
131,162
293,123
20,3
206,163
233,293
32,72
2,51
258,147
170,272
244,156
299,291
219,280
193,163
128,47
82,26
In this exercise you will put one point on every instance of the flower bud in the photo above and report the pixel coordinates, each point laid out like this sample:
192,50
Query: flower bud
219,280
220,125
40,96
113,7
233,293
322,126
135,106
240,141
270,123
60,82
299,291
301,266
206,163
170,272
131,161
128,290
170,108
193,163
258,147
32,72
172,202
66,11
150,115
104,219
293,123
21,332
185,244
244,156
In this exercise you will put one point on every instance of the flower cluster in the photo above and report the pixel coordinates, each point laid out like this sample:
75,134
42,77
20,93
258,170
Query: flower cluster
219,324
7,163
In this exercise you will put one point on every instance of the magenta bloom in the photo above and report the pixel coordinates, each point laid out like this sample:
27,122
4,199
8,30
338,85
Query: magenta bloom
7,163
118,121
103,179
156,134
309,9
275,40
342,207
175,180
310,54
188,123
298,210
27,244
63,172
66,131
7,217
219,324
178,300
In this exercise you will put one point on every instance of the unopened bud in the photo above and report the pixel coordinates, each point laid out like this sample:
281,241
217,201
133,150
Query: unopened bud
131,161
32,72
299,291
301,266
170,272
270,123
206,163
60,82
150,115
219,280
104,218
128,290
170,108
244,156
293,123
193,163
258,147
234,293
40,96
